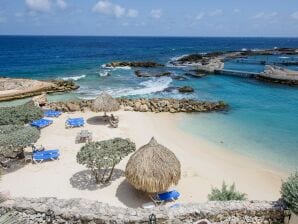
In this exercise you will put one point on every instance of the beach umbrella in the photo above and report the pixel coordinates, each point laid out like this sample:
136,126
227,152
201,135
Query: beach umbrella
153,168
106,103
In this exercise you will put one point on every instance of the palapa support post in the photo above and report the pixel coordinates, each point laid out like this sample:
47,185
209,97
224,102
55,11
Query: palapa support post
152,219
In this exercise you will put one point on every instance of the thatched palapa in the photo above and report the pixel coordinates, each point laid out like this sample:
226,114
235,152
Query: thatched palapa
106,103
153,168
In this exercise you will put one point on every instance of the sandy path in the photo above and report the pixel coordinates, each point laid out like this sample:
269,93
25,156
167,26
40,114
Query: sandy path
203,164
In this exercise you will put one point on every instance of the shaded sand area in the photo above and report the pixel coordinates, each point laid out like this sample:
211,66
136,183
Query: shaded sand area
203,164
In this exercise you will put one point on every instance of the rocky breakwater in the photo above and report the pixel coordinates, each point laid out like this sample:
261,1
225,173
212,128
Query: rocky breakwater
134,64
170,105
146,105
279,75
11,89
79,211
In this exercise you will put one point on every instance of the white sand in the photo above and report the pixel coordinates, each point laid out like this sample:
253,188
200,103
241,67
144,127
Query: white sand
203,164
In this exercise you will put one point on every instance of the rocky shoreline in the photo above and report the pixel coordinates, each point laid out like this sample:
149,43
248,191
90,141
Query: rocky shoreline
135,64
12,89
155,105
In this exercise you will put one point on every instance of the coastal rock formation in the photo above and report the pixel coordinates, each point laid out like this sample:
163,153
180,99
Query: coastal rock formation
11,89
145,64
147,105
40,100
170,105
139,73
185,89
279,75
34,210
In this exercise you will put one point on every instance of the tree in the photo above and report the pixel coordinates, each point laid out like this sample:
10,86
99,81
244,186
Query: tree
289,192
14,138
20,115
226,193
102,157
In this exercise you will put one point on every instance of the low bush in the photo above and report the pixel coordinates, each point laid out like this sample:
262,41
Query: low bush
19,115
226,193
14,138
289,192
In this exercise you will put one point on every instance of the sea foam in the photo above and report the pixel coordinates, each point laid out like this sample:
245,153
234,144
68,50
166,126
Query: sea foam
75,78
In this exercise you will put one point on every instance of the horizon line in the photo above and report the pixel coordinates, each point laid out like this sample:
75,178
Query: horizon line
144,36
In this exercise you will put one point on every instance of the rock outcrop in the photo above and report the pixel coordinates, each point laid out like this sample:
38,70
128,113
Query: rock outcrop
280,75
142,74
135,64
147,105
186,89
11,89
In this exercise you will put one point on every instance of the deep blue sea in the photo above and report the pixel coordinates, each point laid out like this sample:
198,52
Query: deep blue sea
263,118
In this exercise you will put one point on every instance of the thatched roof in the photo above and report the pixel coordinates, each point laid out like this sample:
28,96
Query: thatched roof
153,168
105,102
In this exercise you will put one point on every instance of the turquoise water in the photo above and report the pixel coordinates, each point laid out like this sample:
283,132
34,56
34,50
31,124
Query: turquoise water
263,118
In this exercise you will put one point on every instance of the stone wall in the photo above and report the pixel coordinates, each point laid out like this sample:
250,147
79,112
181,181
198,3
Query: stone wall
147,105
81,211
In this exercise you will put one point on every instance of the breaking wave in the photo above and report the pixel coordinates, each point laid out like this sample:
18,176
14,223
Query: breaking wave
75,78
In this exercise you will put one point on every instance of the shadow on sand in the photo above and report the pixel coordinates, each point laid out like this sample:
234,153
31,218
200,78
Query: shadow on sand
99,120
131,197
83,180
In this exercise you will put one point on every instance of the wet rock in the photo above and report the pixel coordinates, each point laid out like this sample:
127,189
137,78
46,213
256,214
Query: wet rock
179,78
145,64
186,89
142,74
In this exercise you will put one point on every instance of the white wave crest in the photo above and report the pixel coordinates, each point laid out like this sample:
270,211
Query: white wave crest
146,87
75,78
103,73
152,86
115,68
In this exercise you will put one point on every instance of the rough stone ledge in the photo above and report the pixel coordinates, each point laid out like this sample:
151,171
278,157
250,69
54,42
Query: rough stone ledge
87,211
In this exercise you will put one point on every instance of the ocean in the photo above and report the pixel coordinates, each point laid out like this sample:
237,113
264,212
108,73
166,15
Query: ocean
263,118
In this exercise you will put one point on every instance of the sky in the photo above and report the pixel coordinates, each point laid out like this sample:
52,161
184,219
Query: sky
150,17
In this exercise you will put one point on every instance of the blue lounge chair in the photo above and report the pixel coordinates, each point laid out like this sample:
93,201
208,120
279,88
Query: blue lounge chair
75,122
41,123
52,113
166,196
39,157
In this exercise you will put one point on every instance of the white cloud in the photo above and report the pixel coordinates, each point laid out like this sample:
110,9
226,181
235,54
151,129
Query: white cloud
132,13
61,4
119,11
108,8
236,10
217,12
39,5
263,15
45,5
200,16
156,13
295,15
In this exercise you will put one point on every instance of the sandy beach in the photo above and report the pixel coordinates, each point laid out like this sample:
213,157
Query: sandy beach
203,164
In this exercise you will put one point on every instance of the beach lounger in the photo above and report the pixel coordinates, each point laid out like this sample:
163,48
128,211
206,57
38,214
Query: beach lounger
74,122
41,123
52,113
39,157
166,196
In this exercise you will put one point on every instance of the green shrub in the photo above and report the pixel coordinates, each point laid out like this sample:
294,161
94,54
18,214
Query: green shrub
14,138
102,157
19,115
226,193
289,192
